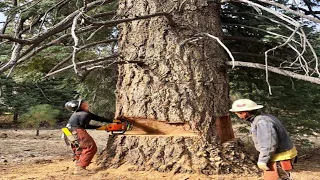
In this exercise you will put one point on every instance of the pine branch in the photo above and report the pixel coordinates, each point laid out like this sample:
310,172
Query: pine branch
311,79
91,61
62,25
79,49
67,21
297,30
290,10
13,39
282,61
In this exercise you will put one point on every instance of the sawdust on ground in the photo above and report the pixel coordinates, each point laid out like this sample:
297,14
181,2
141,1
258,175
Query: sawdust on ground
26,156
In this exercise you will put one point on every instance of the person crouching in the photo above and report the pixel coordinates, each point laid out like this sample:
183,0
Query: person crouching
276,150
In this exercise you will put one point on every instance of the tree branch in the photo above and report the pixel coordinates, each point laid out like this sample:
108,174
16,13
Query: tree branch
284,17
79,49
282,61
50,9
290,10
262,30
32,51
15,55
199,36
307,12
35,50
118,21
76,41
82,63
13,39
66,22
297,30
62,25
311,79
274,48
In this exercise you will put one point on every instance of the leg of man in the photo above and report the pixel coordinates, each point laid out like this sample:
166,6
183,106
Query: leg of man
284,168
271,174
88,149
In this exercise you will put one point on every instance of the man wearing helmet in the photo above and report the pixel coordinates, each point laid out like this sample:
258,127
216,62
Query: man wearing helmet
78,122
270,138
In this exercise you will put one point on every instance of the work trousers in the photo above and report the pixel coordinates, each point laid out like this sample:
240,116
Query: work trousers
87,147
279,170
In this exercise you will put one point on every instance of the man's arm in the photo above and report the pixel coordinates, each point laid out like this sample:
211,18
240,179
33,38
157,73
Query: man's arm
267,139
99,118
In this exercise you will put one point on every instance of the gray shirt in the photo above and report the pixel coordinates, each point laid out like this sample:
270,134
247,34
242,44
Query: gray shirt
269,137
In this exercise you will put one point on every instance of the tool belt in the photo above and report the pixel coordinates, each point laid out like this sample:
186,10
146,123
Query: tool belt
72,137
290,154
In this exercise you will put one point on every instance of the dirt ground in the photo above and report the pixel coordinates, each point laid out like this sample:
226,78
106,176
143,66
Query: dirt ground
26,156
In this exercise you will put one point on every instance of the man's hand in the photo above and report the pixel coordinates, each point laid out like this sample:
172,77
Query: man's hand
263,166
116,121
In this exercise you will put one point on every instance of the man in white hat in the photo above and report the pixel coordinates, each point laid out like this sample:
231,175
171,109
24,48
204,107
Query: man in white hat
270,138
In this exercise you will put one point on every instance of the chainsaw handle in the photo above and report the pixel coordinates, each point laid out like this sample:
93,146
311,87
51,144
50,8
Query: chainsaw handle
117,121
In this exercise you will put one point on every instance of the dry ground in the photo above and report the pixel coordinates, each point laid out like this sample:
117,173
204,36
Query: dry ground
26,156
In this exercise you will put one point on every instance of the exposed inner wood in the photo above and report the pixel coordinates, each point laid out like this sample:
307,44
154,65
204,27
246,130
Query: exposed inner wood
224,129
143,126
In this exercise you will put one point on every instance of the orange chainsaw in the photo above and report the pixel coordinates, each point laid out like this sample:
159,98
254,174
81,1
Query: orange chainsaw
117,127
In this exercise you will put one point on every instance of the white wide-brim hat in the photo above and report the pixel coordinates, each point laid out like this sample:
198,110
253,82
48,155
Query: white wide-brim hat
244,105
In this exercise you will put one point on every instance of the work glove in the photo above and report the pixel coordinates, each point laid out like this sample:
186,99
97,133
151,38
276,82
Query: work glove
104,127
263,166
116,121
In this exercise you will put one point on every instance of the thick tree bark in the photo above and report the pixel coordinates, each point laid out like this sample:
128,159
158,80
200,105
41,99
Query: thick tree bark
176,154
178,82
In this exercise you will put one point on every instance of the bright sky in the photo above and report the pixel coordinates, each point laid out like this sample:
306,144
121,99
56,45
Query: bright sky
2,18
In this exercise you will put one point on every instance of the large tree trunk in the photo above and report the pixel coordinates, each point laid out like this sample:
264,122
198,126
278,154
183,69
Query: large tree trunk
179,82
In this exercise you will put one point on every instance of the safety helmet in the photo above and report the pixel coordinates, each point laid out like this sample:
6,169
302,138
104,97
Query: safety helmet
73,105
244,105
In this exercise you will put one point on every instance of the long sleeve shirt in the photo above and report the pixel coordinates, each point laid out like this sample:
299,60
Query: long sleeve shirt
269,136
81,119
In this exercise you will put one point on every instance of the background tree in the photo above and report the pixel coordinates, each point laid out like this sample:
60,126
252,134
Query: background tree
39,115
171,51
248,34
18,96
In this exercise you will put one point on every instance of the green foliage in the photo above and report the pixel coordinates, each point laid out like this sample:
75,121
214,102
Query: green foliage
39,115
28,88
17,96
295,103
45,60
296,107
4,53
4,5
98,89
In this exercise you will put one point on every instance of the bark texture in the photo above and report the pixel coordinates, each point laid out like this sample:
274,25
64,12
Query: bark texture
179,81
176,154
176,83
